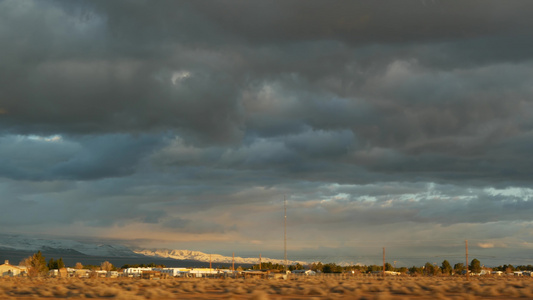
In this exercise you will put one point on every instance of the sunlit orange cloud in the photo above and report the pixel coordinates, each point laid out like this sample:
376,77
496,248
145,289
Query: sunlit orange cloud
144,231
485,245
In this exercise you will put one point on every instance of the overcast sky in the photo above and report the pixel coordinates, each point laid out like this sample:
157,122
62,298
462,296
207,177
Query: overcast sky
183,124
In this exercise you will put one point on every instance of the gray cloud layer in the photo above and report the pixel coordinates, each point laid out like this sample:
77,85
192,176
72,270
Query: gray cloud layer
192,119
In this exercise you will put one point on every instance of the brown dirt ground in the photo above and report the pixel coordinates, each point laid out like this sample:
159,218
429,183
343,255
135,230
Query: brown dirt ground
361,287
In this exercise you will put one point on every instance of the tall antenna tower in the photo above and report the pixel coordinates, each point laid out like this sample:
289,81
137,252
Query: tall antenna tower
285,231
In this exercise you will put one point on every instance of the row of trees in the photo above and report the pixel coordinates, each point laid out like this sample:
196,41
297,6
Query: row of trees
37,265
427,269
280,267
510,268
150,265
446,268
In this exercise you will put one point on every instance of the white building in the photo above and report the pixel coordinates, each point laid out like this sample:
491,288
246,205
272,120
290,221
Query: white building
173,272
201,272
304,272
135,272
112,274
9,270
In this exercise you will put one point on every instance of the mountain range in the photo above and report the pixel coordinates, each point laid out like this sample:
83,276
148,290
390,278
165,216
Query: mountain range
16,247
216,258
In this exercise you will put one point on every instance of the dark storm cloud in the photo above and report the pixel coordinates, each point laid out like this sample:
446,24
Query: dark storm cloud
367,21
103,67
87,112
143,117
89,157
73,79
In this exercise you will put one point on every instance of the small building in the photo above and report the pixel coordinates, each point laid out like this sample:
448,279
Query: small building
9,270
100,273
63,273
202,272
304,272
173,272
81,273
135,272
112,274
151,275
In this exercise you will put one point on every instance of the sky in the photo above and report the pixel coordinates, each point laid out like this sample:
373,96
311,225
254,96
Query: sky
184,124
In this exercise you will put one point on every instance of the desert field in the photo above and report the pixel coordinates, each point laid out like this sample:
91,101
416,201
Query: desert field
295,288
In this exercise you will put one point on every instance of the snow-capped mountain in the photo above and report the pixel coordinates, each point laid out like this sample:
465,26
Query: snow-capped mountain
67,248
27,243
215,258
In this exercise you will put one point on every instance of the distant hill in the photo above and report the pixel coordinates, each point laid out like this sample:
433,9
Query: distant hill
28,243
15,248
71,257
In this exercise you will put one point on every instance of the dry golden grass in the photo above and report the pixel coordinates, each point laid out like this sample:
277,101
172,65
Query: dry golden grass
264,289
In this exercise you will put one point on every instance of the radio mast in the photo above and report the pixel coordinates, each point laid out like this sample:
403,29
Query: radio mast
285,231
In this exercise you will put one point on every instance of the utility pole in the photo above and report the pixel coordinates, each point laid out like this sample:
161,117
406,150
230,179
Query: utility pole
383,262
466,247
233,261
260,261
285,231
209,261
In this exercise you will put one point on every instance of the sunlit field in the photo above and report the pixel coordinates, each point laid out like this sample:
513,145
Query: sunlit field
504,287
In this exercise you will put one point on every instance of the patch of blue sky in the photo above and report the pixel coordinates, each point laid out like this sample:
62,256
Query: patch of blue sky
51,138
518,192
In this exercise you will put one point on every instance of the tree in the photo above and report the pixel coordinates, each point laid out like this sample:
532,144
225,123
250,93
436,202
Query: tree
389,267
458,268
414,271
402,269
317,267
298,266
428,269
508,268
56,264
60,263
332,268
36,265
78,266
475,266
374,268
92,267
327,268
106,266
52,264
446,268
